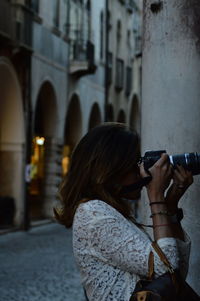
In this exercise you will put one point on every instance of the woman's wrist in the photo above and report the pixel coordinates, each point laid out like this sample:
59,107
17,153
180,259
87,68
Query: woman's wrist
157,198
156,205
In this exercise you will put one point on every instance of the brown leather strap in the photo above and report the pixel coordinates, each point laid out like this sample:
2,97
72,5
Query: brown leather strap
164,259
162,256
151,266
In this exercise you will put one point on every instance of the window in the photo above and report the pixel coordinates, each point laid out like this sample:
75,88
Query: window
119,29
128,38
35,5
101,35
56,10
110,67
128,81
119,77
130,6
109,20
88,6
138,44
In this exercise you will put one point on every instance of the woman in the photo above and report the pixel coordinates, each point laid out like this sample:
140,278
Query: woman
111,250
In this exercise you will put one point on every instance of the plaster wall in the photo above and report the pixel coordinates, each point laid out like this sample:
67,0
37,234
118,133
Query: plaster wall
170,107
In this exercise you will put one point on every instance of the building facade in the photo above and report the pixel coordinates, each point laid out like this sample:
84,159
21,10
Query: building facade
124,62
65,67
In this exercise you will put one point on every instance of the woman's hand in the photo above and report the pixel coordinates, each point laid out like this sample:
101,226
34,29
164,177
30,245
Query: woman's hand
182,179
161,173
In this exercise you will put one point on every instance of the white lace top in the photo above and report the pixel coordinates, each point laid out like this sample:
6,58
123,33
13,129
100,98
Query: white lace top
112,253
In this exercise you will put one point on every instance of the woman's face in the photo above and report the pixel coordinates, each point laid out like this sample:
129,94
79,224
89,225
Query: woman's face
129,179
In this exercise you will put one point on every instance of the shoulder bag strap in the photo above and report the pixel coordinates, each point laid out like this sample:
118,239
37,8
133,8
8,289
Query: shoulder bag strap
162,256
151,266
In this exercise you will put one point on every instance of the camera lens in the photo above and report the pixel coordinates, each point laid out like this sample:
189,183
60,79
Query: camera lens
190,161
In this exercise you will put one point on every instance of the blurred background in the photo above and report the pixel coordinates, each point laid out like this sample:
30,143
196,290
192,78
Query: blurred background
69,65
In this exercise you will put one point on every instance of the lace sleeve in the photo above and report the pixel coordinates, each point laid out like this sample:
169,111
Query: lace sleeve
184,254
120,243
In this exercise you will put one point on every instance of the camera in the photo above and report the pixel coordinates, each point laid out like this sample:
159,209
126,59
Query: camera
190,161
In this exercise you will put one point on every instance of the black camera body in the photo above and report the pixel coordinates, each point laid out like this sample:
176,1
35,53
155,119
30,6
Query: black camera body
190,161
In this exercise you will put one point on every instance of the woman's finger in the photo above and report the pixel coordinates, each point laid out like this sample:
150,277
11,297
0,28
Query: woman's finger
170,169
178,177
186,174
143,172
181,169
164,159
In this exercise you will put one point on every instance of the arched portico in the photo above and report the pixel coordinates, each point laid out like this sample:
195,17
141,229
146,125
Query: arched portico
134,118
44,169
110,113
73,129
12,139
95,116
121,117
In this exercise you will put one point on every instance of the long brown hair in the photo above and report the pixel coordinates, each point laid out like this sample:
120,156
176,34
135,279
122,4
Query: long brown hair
101,158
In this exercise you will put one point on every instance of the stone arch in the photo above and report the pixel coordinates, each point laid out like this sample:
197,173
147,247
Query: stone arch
73,124
12,139
134,117
72,131
110,113
95,116
44,167
45,122
121,117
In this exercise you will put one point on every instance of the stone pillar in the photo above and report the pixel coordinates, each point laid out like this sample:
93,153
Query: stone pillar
52,174
171,97
12,165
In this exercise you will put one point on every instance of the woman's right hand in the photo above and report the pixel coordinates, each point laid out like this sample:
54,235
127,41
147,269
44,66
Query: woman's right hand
161,173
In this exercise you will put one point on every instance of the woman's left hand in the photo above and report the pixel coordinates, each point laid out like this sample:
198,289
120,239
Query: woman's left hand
182,179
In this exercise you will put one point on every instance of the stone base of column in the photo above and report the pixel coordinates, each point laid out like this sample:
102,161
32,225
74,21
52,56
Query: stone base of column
53,175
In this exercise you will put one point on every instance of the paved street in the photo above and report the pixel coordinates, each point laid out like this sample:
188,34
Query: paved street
39,266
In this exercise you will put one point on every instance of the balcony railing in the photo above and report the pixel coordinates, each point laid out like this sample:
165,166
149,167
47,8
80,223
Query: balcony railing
16,23
131,6
81,58
138,45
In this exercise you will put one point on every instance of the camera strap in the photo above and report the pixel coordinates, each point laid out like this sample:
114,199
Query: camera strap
143,182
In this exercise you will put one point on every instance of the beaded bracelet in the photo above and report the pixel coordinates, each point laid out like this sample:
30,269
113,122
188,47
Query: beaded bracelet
161,213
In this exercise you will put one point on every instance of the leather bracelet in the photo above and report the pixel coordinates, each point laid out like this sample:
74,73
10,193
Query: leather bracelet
160,213
152,203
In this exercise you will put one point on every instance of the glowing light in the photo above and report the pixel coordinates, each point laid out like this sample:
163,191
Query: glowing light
40,140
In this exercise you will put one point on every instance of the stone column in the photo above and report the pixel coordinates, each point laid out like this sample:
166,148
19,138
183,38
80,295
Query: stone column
171,97
52,174
12,165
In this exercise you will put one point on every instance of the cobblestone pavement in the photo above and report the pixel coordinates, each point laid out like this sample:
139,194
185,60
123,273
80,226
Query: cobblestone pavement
38,265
